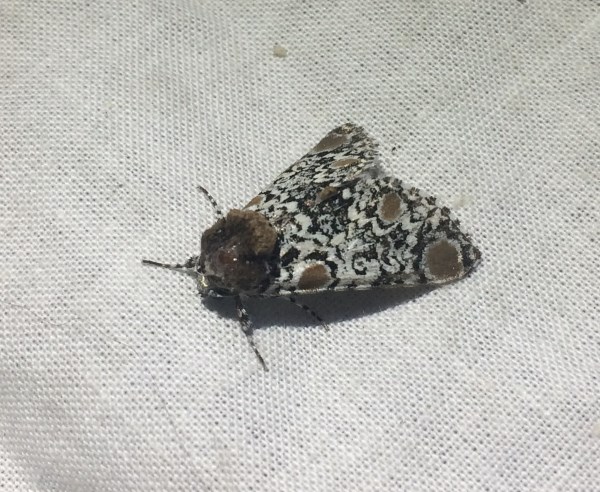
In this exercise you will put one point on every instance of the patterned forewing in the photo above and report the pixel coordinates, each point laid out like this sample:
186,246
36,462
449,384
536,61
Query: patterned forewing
337,161
342,225
375,232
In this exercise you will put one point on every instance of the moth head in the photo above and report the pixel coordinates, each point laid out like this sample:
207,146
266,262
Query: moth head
238,255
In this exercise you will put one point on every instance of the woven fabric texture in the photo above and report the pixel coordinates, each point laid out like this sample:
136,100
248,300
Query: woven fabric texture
116,376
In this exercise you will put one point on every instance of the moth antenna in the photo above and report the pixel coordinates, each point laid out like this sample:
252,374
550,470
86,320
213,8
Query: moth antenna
248,329
304,307
191,263
212,201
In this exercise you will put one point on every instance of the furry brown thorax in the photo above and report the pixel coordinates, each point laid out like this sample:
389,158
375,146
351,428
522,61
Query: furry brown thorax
238,255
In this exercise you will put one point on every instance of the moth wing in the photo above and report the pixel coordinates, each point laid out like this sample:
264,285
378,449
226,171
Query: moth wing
338,160
376,232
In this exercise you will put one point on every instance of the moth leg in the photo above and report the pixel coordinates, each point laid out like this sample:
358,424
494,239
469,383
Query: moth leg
191,263
248,329
212,201
308,310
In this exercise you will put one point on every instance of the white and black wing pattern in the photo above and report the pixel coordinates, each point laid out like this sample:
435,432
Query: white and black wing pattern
336,162
342,225
331,221
378,233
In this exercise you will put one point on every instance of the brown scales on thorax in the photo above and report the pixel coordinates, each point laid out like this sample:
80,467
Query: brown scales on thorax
237,252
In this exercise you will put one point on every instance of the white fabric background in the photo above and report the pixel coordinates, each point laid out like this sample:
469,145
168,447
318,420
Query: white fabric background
116,376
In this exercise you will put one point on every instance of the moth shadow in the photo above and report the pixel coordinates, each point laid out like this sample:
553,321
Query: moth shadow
331,306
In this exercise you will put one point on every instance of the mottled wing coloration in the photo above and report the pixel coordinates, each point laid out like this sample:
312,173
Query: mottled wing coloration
332,221
336,162
342,225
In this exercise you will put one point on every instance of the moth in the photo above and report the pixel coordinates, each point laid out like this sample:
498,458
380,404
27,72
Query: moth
332,221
